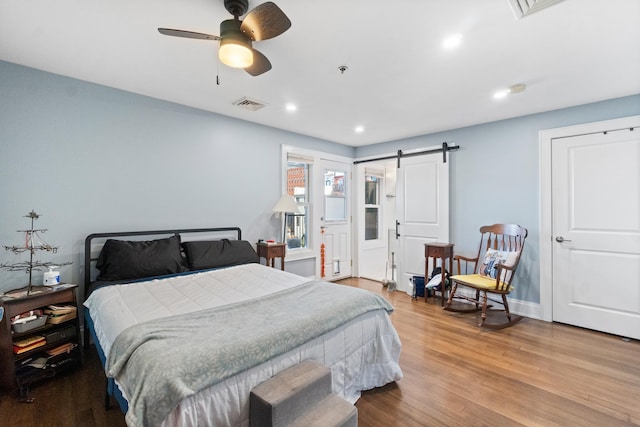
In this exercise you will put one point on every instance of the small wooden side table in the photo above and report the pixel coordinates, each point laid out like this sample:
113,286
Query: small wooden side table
271,251
438,250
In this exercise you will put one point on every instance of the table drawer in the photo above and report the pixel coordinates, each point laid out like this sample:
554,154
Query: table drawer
277,251
435,252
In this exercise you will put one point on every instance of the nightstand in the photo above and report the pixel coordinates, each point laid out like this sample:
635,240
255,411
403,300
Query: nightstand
271,251
60,338
437,250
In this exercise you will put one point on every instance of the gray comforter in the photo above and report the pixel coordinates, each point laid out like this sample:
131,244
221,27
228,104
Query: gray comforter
160,362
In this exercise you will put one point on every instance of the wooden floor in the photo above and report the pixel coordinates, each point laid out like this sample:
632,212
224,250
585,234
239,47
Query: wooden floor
533,374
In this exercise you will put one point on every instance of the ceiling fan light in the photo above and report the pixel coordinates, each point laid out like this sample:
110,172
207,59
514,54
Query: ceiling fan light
235,54
235,46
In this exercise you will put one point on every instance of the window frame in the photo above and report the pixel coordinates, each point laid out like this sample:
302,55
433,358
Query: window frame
306,204
308,157
380,178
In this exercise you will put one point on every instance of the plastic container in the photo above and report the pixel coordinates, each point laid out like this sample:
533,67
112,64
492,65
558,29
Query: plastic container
51,277
27,326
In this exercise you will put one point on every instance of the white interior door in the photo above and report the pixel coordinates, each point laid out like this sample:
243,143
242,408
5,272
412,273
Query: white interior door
422,194
336,219
596,231
371,254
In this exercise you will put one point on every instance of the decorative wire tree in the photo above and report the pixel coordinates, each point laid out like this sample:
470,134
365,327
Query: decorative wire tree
33,244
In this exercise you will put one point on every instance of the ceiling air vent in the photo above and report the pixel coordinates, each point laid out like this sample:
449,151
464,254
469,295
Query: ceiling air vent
249,104
523,8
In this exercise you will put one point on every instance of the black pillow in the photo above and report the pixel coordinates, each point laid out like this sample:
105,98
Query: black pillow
121,259
202,255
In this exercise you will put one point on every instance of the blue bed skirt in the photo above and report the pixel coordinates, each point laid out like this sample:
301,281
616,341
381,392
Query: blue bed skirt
112,388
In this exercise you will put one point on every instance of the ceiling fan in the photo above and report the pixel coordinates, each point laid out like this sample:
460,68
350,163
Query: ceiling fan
263,22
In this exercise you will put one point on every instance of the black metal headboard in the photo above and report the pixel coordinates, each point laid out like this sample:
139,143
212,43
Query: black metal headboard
92,239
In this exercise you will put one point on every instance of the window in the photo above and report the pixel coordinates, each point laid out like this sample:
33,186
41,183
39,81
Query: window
372,184
335,197
297,225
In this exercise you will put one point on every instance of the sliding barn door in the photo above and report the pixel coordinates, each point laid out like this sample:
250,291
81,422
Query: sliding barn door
422,192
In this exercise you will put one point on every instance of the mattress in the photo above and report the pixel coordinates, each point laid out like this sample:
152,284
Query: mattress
362,353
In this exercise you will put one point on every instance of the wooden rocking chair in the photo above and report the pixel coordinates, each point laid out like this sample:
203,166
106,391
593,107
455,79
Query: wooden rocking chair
493,269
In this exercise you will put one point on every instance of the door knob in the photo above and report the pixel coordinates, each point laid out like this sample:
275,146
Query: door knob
561,239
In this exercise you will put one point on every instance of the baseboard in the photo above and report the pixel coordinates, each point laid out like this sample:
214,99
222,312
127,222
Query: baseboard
526,308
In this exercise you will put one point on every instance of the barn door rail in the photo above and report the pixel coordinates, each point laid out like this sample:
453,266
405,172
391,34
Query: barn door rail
400,154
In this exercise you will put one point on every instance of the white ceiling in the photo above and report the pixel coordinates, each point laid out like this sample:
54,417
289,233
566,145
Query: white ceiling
400,82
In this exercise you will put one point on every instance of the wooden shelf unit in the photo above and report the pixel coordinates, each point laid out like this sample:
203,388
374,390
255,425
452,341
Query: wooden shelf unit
15,374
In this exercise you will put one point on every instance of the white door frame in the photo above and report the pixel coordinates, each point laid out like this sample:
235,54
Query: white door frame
546,219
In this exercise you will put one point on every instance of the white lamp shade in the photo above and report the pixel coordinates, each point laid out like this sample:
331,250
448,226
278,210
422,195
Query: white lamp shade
286,204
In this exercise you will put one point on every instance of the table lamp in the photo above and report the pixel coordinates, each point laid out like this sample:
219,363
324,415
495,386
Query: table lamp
286,205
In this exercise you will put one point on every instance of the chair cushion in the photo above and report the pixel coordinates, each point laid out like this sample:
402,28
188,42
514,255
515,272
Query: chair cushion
478,281
493,257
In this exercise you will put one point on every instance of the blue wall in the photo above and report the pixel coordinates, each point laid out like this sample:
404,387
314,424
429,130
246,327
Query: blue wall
494,176
90,158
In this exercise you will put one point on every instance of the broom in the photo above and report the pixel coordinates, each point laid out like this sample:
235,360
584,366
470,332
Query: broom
391,285
385,282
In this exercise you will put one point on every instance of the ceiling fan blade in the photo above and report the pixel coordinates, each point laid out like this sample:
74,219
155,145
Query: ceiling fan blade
260,64
265,21
187,34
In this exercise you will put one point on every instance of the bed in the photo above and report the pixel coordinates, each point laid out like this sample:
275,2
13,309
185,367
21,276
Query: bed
186,322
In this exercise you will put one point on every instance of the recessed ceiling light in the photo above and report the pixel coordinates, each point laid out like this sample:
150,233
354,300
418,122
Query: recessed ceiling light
517,88
359,129
452,41
290,107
